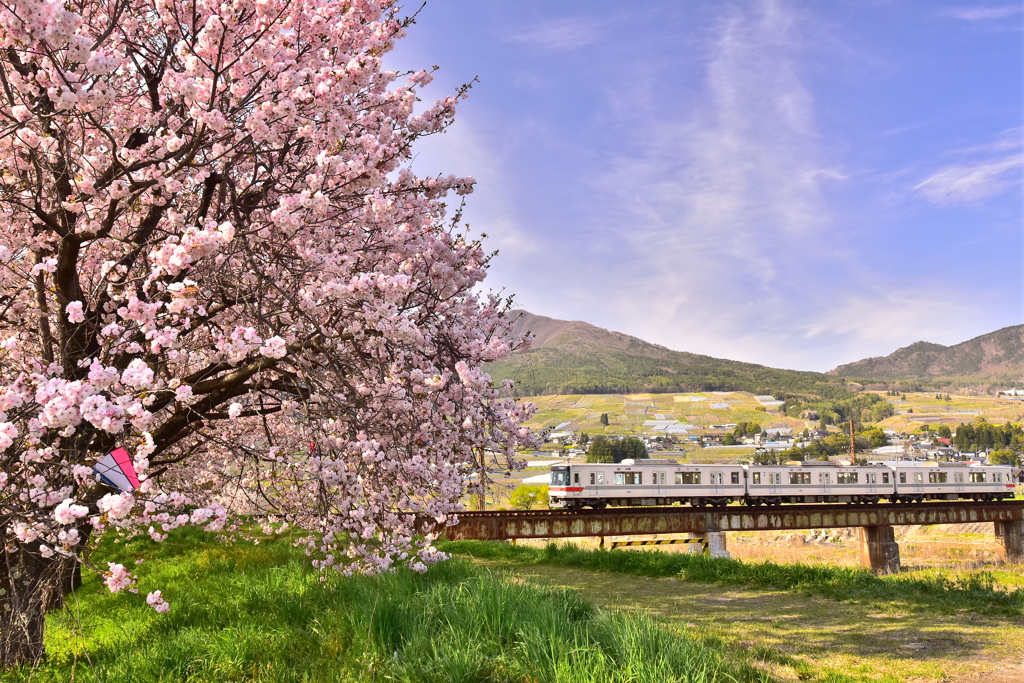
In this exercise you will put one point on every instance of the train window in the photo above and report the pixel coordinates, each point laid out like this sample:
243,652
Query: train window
823,478
629,478
997,476
576,478
885,477
688,477
559,477
756,478
591,478
620,477
936,477
735,477
778,477
918,478
978,477
799,477
600,479
903,477
847,478
872,478
659,478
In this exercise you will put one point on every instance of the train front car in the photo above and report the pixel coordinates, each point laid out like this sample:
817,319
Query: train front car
562,492
916,482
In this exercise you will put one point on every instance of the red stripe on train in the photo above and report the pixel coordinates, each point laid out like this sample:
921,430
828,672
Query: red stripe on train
565,488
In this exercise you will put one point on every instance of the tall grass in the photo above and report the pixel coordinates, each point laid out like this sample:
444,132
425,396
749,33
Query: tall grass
245,613
974,591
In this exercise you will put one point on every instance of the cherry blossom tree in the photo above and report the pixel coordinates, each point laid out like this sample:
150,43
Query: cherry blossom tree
215,255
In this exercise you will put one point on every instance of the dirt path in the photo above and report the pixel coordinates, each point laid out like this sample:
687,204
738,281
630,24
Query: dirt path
798,637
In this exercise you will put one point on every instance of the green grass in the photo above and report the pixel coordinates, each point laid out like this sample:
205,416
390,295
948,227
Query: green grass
976,591
260,613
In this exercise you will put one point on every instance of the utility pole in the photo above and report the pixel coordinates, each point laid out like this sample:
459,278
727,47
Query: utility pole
853,447
481,496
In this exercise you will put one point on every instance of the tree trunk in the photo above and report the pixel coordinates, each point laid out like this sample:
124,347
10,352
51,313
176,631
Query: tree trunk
29,586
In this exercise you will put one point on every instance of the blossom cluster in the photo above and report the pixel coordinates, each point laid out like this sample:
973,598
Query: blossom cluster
215,254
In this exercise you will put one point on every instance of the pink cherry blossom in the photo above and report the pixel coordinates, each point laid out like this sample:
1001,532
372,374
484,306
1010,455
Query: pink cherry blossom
274,348
117,578
157,602
217,256
74,311
67,512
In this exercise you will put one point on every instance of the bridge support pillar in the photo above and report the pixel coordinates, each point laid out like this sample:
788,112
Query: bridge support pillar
716,544
879,550
1010,537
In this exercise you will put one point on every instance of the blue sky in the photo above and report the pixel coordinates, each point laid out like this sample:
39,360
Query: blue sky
798,184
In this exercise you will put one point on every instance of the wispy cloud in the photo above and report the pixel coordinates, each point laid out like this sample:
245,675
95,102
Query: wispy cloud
887,318
964,183
983,13
727,202
979,172
560,35
876,321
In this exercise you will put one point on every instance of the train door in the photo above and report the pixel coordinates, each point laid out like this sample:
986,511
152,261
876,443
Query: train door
596,482
825,482
872,482
918,482
717,483
659,483
958,480
775,482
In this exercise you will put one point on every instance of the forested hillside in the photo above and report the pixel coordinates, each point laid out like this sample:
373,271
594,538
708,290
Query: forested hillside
573,357
996,356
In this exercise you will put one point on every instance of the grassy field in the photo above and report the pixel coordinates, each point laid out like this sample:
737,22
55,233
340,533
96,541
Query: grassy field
800,637
936,589
260,613
804,623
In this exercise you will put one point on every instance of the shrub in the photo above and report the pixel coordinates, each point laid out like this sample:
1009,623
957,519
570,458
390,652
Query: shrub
528,495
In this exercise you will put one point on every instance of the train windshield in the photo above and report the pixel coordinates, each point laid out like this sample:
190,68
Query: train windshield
559,477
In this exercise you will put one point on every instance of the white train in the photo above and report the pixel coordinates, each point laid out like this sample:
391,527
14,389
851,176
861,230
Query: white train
667,482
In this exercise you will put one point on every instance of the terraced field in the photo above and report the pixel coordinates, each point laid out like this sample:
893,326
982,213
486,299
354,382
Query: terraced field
627,413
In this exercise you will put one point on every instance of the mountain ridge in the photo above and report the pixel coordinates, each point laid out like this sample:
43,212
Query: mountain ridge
994,355
576,357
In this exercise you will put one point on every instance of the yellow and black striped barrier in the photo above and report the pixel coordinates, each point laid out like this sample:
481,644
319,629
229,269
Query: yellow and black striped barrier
612,545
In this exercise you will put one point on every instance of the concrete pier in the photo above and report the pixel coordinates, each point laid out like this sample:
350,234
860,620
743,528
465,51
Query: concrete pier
716,544
1010,537
879,550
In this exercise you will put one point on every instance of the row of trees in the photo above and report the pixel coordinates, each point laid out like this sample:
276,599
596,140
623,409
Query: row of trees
746,429
611,449
861,408
985,436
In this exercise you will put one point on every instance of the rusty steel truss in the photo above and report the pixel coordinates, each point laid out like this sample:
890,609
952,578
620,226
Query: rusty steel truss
499,525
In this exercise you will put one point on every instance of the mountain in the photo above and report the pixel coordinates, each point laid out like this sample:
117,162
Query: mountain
574,357
997,356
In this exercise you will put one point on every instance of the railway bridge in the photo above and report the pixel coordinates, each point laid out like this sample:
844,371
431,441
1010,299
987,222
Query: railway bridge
878,549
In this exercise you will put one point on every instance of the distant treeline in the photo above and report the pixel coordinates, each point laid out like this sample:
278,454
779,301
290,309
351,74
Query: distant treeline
538,373
837,409
984,436
605,449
